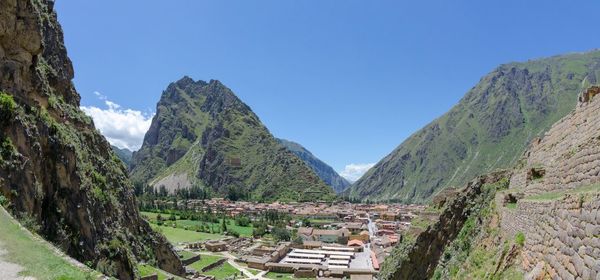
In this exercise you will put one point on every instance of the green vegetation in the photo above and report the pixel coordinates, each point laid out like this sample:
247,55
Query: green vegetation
184,255
324,171
177,235
512,205
488,129
7,108
276,275
147,270
520,239
222,272
205,260
242,149
548,196
468,256
37,259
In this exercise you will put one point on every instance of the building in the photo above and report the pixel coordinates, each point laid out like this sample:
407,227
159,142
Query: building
216,246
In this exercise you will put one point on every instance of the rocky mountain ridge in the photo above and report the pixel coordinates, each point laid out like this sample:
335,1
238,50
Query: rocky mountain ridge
202,134
56,170
324,171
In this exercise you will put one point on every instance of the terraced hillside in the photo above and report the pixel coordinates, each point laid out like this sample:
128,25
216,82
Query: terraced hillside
203,135
488,129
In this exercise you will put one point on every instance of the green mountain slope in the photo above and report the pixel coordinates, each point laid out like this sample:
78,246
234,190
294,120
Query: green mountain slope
123,154
488,129
324,171
56,170
202,134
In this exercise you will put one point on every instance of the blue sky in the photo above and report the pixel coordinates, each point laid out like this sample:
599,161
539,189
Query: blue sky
349,80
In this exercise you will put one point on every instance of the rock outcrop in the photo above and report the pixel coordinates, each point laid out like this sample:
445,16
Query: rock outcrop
418,258
490,128
203,135
55,168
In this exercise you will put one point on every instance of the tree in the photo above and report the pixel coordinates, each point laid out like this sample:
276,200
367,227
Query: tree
281,234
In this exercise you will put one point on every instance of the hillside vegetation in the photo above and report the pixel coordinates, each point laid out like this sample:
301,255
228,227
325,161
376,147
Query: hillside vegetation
203,135
324,171
488,129
35,257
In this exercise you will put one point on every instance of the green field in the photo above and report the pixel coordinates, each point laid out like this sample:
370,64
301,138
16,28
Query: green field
37,259
222,272
178,235
184,255
146,270
189,224
204,261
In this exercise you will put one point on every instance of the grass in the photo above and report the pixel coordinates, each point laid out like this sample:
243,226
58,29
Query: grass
178,235
189,224
512,205
36,258
276,275
222,272
205,260
147,270
548,196
186,254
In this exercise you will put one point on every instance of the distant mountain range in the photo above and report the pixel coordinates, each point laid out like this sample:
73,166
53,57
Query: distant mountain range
202,134
324,171
488,129
123,154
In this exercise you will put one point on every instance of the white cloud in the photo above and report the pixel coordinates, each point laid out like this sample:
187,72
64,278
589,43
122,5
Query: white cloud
124,128
354,171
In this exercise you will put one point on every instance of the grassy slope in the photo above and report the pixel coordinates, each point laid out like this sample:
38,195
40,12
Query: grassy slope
489,129
34,256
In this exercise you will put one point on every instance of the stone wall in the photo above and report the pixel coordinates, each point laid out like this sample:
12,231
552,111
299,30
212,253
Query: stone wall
569,153
562,237
562,231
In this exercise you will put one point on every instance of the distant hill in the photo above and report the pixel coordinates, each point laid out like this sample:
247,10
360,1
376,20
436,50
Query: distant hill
203,135
488,129
324,171
124,154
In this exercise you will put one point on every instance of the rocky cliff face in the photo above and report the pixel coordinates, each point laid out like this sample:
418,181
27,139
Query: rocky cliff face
489,128
55,168
204,135
324,171
417,256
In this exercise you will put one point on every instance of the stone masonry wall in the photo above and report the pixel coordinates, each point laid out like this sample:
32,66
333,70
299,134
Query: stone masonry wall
569,153
562,237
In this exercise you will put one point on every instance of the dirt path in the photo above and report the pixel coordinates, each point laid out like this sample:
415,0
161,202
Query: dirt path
10,271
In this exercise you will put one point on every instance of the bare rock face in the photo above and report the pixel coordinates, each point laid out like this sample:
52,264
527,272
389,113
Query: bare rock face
55,168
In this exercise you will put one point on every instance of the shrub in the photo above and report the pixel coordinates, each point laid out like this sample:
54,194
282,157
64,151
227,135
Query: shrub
3,201
520,239
7,107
